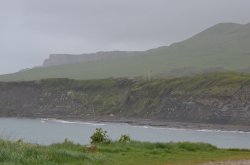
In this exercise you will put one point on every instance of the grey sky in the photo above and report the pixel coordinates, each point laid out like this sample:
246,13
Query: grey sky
32,29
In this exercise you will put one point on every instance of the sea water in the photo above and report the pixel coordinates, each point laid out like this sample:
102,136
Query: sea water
48,131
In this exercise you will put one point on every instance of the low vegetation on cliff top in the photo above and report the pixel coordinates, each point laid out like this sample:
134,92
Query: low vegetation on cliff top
212,83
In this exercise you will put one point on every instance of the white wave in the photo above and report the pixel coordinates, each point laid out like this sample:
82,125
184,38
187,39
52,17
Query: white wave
176,129
190,129
71,122
203,130
221,131
140,126
143,126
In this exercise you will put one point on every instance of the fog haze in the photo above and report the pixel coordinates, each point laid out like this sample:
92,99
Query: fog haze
32,29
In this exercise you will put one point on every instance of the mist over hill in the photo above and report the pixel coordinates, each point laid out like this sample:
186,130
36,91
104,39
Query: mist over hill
224,46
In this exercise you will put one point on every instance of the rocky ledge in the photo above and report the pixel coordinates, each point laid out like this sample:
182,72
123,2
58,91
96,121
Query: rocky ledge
217,99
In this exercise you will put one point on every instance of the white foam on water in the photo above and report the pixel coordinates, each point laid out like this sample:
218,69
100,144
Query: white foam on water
190,129
141,126
221,131
71,122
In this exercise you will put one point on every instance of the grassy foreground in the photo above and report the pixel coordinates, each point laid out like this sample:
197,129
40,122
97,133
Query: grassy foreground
133,153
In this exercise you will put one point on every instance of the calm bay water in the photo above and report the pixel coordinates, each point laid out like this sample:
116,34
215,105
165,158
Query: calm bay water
44,131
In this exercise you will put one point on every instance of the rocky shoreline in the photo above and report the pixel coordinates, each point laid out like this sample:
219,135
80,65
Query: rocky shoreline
194,126
164,124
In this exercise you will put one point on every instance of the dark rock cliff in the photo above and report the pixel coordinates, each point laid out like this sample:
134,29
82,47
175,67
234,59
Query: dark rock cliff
201,99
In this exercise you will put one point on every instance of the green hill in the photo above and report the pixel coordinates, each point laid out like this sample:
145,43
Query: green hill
224,46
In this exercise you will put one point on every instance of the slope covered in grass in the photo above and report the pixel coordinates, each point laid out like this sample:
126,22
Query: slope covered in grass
223,46
134,153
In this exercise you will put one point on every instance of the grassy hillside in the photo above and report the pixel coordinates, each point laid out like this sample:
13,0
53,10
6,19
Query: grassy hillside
134,153
224,46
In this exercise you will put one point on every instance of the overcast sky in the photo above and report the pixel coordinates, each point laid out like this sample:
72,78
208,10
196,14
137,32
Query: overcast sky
30,30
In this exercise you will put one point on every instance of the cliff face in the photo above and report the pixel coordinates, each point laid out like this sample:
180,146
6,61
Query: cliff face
201,99
61,59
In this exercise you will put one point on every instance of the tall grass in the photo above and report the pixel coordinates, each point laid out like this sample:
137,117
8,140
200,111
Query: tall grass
133,153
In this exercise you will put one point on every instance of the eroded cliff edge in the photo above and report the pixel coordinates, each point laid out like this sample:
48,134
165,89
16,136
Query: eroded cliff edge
219,98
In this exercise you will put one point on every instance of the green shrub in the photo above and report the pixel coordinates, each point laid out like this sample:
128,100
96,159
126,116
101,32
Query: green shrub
100,136
124,139
188,146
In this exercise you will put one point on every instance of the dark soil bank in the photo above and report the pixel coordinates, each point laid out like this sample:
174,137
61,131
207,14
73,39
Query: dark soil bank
220,99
